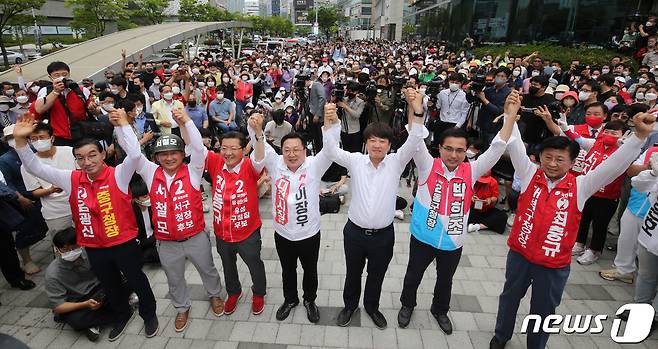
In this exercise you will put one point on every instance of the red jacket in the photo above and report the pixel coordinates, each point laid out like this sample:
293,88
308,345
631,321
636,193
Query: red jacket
546,223
59,120
234,200
486,187
102,214
177,214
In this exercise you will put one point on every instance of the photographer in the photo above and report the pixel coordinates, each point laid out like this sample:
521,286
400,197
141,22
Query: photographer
533,128
383,111
352,107
316,102
492,99
62,103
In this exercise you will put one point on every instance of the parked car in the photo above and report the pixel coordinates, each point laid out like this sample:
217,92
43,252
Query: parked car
16,57
257,38
161,57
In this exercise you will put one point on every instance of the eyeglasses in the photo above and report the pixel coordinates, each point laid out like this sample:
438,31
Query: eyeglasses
458,151
227,149
288,151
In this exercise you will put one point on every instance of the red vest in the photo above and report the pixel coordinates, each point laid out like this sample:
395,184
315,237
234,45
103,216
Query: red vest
592,160
103,215
234,199
177,215
546,223
59,120
243,91
583,130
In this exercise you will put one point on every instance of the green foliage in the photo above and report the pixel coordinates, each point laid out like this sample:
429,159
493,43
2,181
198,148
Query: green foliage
91,15
126,23
193,11
150,10
408,30
303,30
11,10
329,18
274,26
563,54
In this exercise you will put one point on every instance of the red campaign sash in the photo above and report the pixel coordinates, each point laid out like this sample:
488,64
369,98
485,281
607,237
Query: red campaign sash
281,201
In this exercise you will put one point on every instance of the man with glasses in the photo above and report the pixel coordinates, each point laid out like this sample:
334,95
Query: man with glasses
296,210
236,219
440,217
105,224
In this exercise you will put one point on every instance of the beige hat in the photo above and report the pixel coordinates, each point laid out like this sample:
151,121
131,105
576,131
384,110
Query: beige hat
8,131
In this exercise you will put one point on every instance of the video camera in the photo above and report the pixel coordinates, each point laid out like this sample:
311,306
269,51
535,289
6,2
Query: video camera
397,82
301,79
434,86
339,90
479,81
370,90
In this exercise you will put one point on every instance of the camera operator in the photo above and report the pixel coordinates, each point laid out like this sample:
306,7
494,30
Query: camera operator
492,100
535,128
383,111
62,103
452,106
352,106
316,102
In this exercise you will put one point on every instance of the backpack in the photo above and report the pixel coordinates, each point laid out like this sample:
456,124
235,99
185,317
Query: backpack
329,204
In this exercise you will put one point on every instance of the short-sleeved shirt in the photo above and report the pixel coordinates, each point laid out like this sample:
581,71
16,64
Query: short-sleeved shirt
69,281
221,110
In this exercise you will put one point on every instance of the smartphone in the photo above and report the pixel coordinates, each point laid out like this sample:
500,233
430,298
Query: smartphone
527,110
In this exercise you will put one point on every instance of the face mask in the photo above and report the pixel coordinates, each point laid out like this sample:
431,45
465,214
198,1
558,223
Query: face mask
454,87
139,110
610,105
175,90
397,67
71,256
470,154
650,96
244,78
533,90
642,81
156,81
35,89
108,106
220,96
422,90
202,84
42,145
22,99
605,71
569,102
595,77
648,24
4,107
168,96
12,143
558,96
191,104
499,81
195,71
584,95
516,73
114,91
225,80
609,140
593,121
535,73
639,96
211,84
9,92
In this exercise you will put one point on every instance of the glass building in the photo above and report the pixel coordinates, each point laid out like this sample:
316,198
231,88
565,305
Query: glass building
519,21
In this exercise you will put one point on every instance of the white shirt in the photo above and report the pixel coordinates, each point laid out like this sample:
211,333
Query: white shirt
299,190
374,189
453,106
55,205
43,92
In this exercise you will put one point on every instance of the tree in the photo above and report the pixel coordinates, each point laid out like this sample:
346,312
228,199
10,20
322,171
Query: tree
150,10
329,18
10,9
193,11
279,26
93,15
408,30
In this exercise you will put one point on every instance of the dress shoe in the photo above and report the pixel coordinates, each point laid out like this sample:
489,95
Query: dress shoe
24,284
378,319
92,333
119,327
285,309
151,327
344,317
180,323
312,311
496,344
444,322
217,305
404,316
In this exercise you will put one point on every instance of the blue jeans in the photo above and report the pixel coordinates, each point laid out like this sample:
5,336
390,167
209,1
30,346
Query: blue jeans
547,288
224,128
647,278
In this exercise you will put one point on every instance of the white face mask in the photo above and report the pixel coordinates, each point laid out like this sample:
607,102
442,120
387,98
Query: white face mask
72,255
12,143
244,78
583,96
175,90
4,107
114,91
139,110
156,81
35,89
202,84
650,96
639,96
211,84
558,95
42,145
642,81
22,99
422,90
470,154
516,73
168,96
195,71
107,107
225,79
605,71
145,203
454,87
220,96
535,73
9,92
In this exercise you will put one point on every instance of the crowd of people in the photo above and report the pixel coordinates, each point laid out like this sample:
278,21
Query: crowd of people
113,172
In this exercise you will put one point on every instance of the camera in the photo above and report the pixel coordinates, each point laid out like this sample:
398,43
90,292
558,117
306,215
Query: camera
70,84
478,81
398,81
339,90
370,90
301,79
434,86
554,108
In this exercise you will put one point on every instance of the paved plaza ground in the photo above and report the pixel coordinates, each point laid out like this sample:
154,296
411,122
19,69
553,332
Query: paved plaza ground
478,282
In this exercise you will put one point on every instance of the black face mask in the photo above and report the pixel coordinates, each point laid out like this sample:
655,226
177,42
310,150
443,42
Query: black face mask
533,90
351,95
381,87
191,104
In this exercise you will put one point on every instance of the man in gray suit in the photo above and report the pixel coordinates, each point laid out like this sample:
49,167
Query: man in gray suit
316,102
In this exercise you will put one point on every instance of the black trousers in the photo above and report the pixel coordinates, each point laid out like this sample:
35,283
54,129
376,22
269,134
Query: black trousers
420,257
85,318
598,212
9,263
108,264
352,142
306,251
315,130
377,248
493,218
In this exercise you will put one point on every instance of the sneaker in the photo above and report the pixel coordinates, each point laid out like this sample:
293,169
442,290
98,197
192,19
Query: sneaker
93,333
217,305
231,303
341,198
472,228
589,257
151,327
257,304
614,274
578,249
180,322
119,327
510,219
399,215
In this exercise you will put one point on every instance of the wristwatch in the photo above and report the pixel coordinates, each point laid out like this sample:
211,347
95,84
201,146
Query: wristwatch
419,115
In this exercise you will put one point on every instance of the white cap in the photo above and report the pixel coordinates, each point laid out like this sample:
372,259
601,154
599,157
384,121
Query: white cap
365,70
8,131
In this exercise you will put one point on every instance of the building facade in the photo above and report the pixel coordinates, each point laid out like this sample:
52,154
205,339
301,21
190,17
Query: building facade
300,12
251,7
386,19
